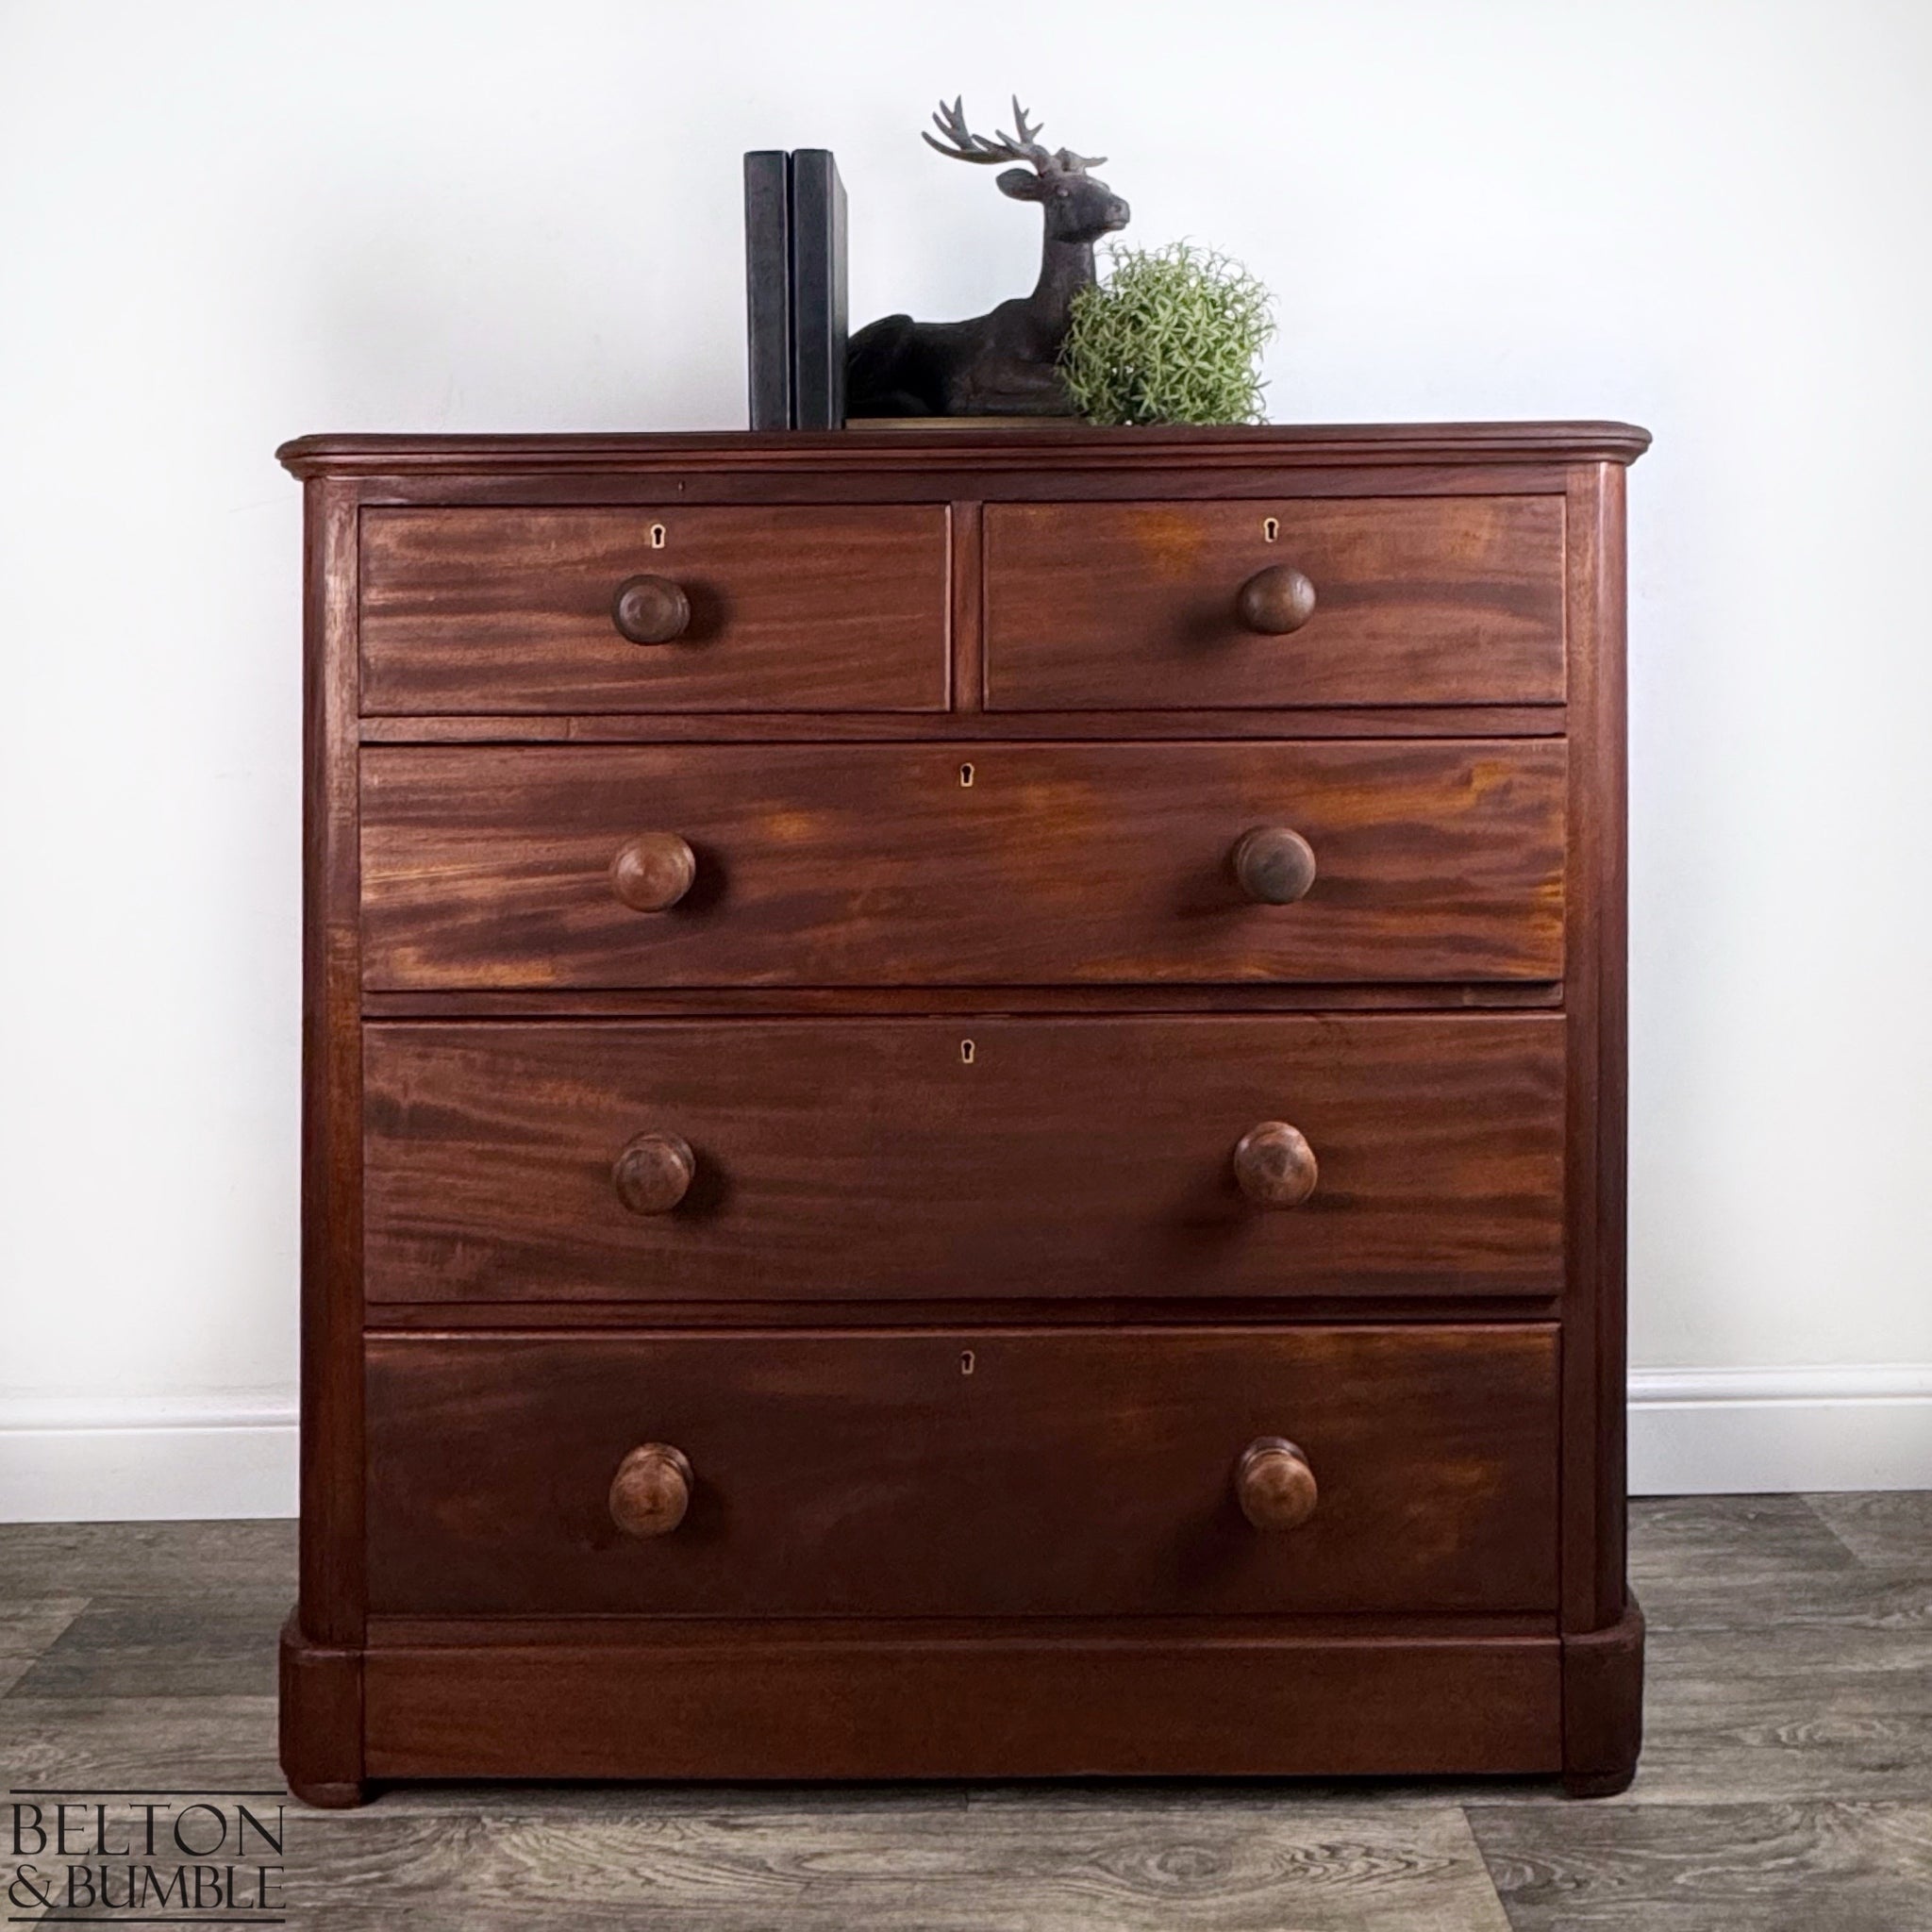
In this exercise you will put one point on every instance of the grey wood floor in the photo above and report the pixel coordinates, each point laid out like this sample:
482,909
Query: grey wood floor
1787,1781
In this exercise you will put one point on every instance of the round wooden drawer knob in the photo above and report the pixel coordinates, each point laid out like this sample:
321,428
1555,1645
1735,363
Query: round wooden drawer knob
1274,1165
653,1172
651,1491
1276,601
1274,865
1275,1484
653,872
650,611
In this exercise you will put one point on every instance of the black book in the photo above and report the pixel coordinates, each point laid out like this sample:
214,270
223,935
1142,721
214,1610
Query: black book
817,290
768,286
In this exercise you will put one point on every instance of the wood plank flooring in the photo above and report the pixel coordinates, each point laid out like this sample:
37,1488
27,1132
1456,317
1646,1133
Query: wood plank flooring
1786,1786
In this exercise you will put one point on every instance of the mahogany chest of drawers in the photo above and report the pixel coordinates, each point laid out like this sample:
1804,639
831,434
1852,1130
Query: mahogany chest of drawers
964,1107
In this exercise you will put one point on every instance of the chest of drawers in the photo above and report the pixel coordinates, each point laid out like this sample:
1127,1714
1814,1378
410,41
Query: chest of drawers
964,1107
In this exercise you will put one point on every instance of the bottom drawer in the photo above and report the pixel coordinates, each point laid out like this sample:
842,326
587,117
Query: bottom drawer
969,1473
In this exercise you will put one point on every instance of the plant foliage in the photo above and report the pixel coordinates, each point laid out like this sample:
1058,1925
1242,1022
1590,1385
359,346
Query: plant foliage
1172,335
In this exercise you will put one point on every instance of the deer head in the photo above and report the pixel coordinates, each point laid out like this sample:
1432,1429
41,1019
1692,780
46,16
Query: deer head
1079,208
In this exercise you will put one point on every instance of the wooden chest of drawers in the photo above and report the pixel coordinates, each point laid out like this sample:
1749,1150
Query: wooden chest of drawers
964,1107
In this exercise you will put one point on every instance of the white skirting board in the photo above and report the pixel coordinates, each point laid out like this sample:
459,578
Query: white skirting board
146,1459
1692,1432
1705,1432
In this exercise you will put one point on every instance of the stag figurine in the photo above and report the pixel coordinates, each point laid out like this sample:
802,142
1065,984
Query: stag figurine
1006,362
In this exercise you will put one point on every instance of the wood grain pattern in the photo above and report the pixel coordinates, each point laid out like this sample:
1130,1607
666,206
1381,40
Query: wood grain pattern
650,610
1594,1355
1603,1705
1033,1014
152,1560
652,872
768,1001
320,1712
1274,1484
1275,1166
330,1606
651,1491
163,1643
1781,1795
1774,1710
653,1173
790,609
1037,448
998,1708
979,1472
1713,1867
1277,599
1274,865
752,1860
1885,1528
879,864
843,728
28,1624
1430,600
1068,1157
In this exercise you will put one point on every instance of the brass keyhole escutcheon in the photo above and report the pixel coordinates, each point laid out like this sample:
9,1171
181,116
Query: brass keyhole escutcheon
966,776
1271,529
966,1052
966,1361
658,537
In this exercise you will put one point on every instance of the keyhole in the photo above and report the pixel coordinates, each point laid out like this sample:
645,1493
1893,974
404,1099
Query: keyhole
966,776
966,1052
656,536
1271,529
965,1362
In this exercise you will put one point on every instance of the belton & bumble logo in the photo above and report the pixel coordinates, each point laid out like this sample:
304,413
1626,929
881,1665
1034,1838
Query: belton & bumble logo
154,1858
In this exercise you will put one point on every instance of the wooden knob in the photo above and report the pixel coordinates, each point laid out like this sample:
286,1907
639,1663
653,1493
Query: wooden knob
653,872
1274,865
1274,1165
650,611
1275,1484
1275,600
653,1172
651,1491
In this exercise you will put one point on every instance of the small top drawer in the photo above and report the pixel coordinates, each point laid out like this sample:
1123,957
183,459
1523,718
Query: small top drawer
1427,600
740,609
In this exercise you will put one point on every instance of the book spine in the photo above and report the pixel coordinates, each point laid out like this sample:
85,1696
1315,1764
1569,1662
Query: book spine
768,286
819,315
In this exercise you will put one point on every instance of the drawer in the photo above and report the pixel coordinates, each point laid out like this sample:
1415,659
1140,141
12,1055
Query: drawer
993,1157
832,608
972,1472
1417,600
961,865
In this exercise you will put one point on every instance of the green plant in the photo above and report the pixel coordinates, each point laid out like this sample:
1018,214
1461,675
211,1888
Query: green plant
1172,335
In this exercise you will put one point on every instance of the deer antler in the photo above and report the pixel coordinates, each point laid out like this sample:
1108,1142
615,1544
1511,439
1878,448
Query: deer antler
967,146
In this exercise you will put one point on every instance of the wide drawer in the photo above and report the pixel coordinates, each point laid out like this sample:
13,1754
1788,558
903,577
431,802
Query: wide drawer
832,608
913,1159
1423,600
969,864
971,1473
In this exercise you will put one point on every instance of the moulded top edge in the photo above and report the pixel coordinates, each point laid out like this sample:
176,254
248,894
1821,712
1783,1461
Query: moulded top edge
960,444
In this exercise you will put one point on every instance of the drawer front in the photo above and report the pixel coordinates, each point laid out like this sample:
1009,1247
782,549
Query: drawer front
836,608
1135,605
966,1474
870,865
992,1157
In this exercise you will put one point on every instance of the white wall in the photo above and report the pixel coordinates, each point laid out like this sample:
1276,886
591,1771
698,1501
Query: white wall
222,224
